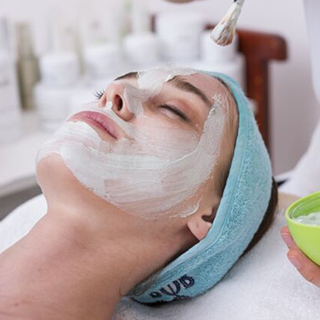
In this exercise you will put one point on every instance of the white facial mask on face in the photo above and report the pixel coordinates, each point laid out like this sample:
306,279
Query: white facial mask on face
154,172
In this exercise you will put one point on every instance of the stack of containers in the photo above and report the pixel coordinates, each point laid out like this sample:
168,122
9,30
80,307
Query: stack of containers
141,46
103,62
142,50
60,75
10,122
59,79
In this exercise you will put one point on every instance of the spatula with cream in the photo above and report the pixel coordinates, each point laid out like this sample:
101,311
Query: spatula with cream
225,30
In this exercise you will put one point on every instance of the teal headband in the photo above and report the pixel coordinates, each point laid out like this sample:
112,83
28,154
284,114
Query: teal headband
242,208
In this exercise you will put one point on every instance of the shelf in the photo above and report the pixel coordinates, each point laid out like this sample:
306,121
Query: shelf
17,158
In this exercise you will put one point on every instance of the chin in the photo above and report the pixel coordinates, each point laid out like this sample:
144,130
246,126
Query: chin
61,188
53,176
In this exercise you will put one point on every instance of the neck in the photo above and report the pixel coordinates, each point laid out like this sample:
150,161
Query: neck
79,265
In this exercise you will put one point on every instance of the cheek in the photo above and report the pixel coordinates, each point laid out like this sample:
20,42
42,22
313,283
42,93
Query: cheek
159,137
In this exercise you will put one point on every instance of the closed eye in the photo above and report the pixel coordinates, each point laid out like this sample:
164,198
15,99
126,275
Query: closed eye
175,111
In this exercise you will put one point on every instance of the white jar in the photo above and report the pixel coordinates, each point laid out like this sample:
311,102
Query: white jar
142,49
59,69
53,105
179,35
60,73
102,60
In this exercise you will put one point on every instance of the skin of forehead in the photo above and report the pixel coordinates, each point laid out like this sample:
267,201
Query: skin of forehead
209,85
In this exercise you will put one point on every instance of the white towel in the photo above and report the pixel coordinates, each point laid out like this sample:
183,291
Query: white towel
263,285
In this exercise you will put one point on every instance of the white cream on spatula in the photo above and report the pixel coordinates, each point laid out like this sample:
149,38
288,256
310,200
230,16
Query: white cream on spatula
225,30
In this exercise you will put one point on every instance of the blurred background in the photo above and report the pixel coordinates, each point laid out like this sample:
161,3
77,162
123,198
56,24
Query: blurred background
54,56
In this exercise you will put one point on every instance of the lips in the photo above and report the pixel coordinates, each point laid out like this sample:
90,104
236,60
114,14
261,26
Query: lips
98,120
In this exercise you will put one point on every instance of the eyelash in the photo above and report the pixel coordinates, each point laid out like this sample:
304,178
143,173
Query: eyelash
98,94
174,110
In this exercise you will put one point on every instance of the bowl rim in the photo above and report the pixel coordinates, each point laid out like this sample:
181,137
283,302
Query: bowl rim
296,204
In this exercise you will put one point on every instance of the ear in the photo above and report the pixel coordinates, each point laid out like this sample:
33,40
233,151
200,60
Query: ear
198,226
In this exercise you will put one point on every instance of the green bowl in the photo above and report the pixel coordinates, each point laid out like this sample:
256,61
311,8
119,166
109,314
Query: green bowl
307,237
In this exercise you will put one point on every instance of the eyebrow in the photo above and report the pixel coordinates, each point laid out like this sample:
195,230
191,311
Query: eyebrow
186,86
129,75
177,82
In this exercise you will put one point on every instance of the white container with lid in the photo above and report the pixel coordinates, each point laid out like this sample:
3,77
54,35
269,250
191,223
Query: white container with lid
53,105
60,76
103,60
142,49
59,69
179,35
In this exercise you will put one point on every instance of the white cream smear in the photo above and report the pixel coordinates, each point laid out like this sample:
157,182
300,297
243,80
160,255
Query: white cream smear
157,169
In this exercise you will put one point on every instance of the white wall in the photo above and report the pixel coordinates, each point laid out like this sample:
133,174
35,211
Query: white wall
294,106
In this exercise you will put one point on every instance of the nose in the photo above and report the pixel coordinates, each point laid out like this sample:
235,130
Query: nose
115,94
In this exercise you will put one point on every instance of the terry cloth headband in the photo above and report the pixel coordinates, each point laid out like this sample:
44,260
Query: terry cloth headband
242,208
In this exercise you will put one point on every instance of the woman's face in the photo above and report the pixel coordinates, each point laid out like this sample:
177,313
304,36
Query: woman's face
151,142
